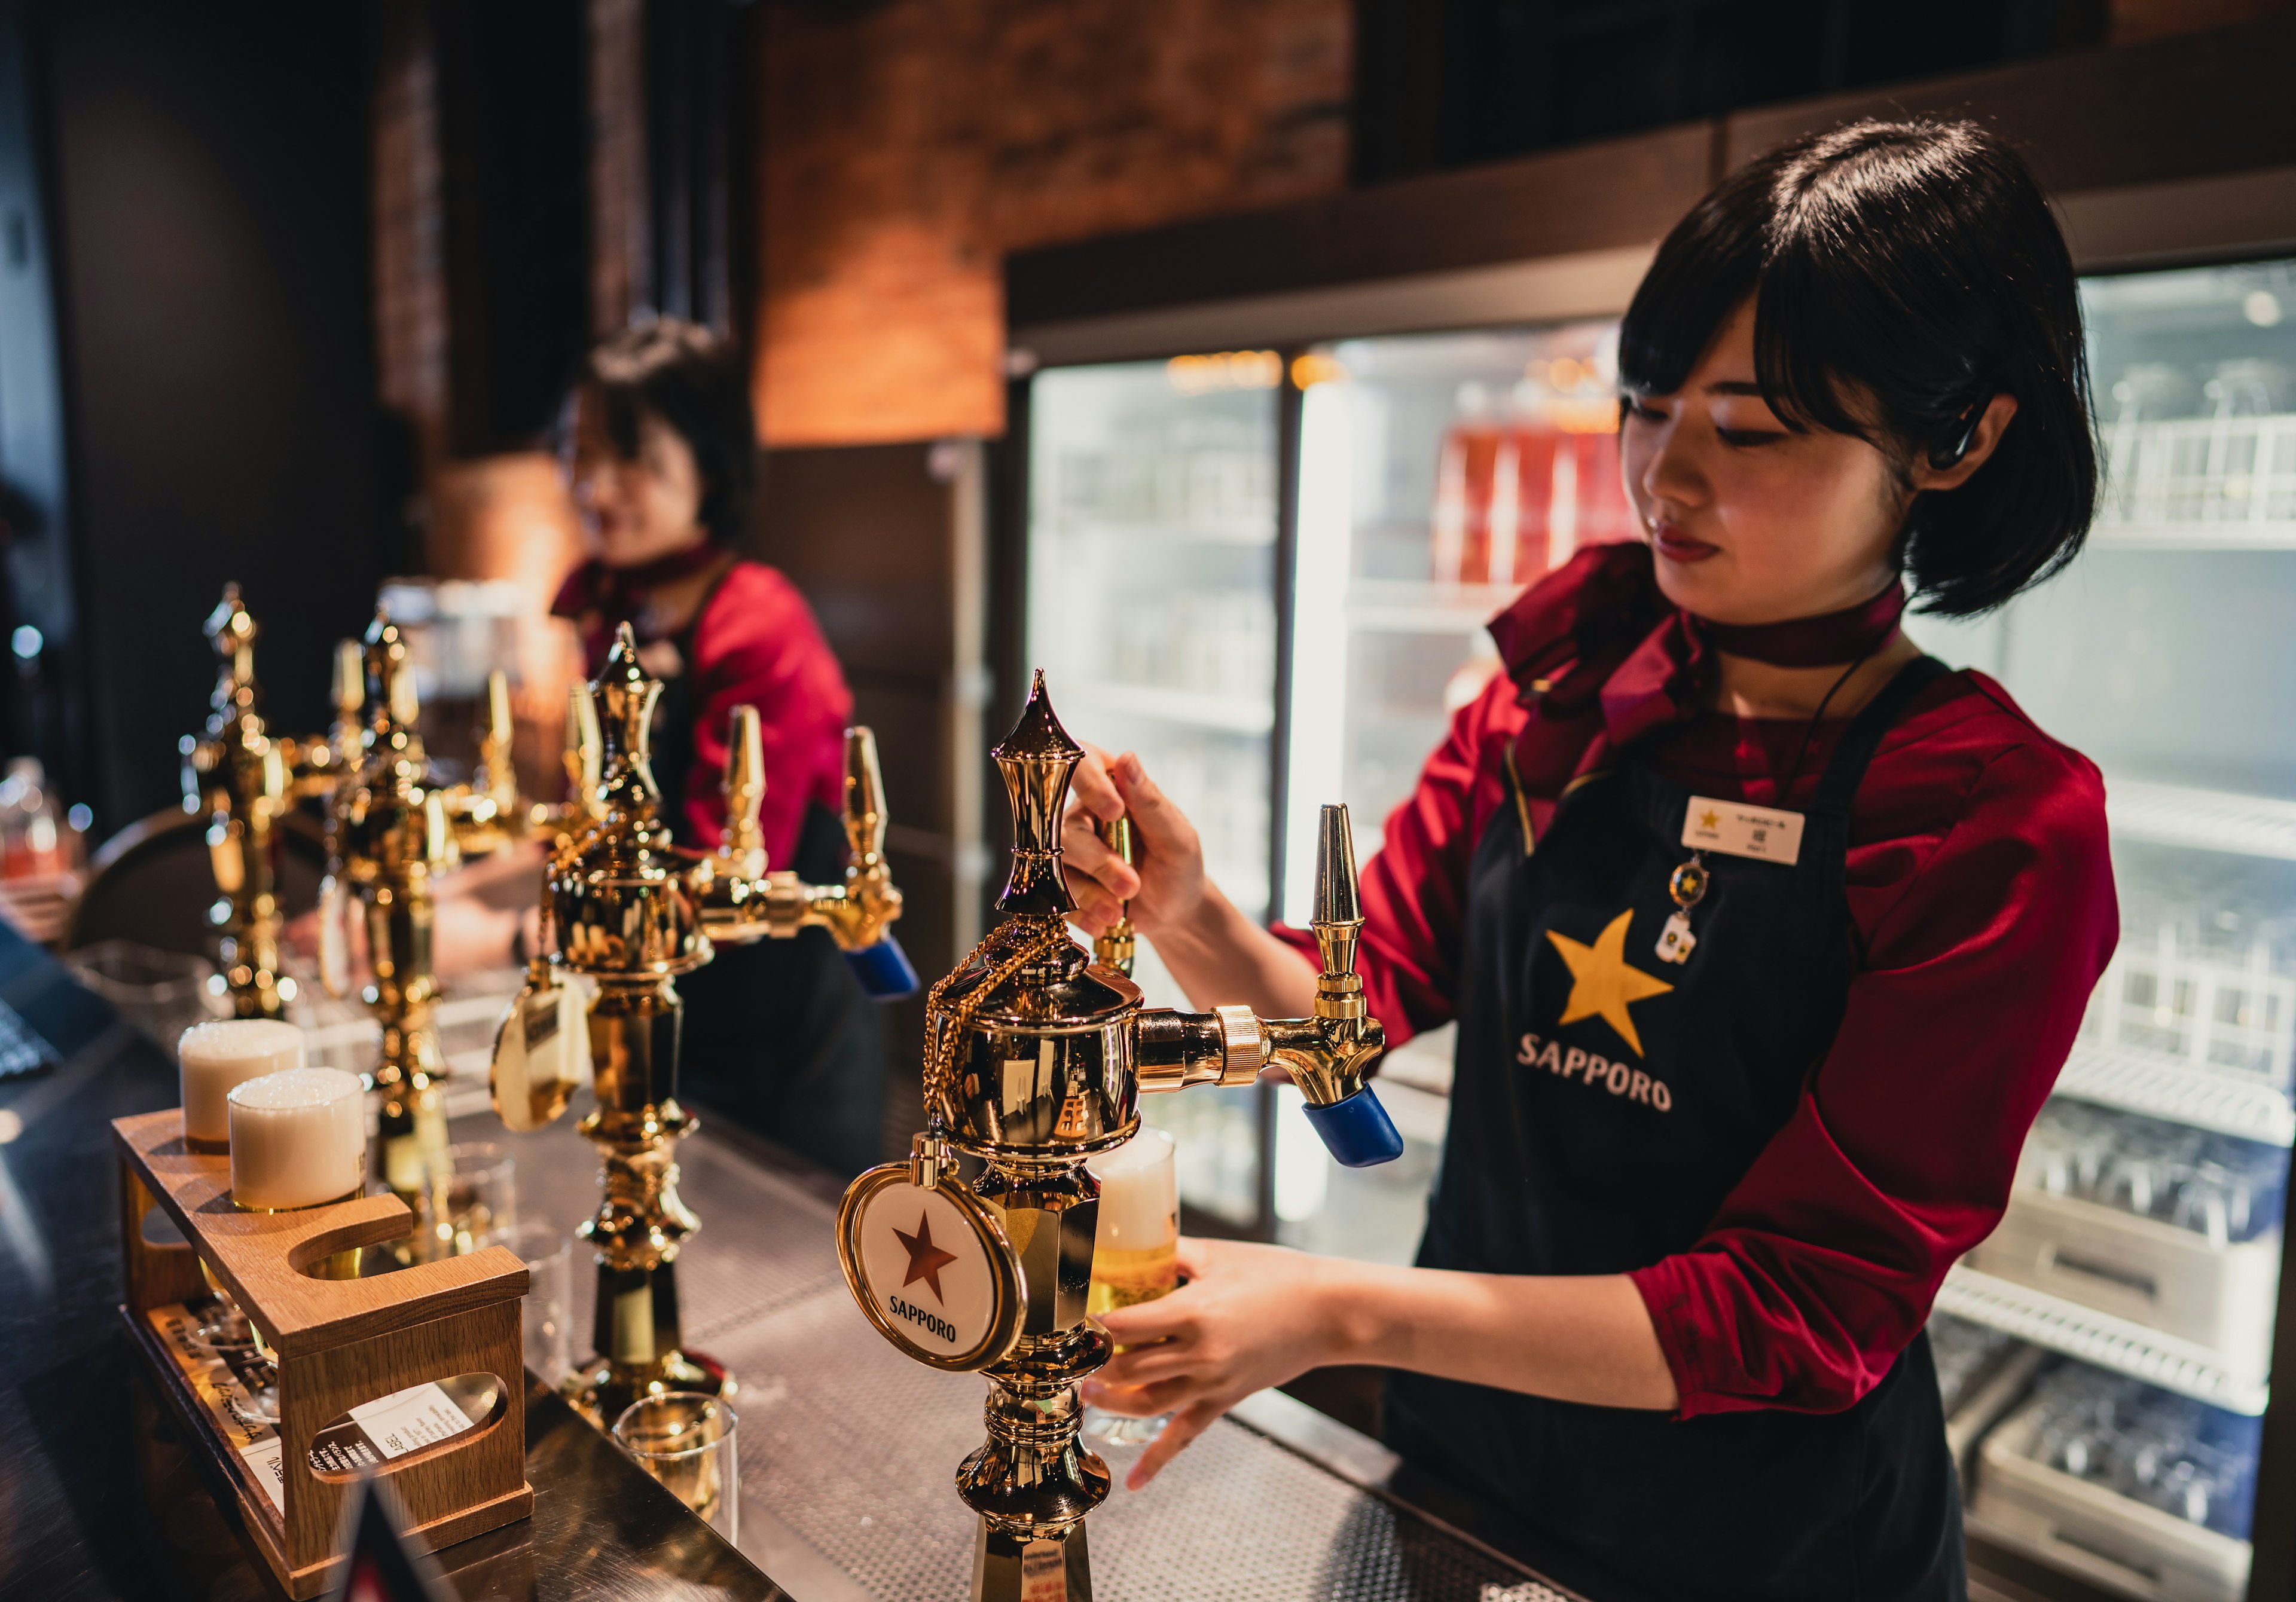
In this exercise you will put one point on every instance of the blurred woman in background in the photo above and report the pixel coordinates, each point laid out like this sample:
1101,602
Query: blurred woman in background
658,447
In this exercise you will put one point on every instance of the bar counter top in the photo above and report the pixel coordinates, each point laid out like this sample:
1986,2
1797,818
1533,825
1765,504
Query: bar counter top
848,1449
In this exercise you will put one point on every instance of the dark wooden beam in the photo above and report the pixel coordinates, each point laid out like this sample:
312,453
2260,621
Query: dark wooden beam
1621,191
2191,106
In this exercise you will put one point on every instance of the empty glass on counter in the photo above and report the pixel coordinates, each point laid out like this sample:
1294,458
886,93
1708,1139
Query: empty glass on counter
686,1441
160,993
2151,1445
2216,1185
481,1197
548,1310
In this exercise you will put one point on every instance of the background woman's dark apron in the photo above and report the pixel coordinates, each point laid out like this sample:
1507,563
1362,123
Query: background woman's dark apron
1574,1149
778,1035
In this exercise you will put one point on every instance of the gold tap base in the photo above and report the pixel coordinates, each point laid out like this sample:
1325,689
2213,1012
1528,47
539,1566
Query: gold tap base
1033,1482
602,1389
1017,1566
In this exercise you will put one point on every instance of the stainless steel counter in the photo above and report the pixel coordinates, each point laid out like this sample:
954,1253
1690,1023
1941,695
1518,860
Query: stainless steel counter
848,1451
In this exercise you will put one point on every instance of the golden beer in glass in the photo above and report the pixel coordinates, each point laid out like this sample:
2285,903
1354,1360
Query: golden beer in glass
1135,1256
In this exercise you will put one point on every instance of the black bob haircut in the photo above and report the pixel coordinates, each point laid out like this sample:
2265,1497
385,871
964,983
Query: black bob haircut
693,381
1913,266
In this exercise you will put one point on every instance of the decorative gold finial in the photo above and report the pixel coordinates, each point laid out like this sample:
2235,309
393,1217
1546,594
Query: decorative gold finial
623,696
1037,759
391,707
230,627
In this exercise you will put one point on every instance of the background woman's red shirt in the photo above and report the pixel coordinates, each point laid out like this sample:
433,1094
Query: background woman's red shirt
755,643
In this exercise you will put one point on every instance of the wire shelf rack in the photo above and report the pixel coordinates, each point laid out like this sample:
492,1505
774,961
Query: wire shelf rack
2100,1338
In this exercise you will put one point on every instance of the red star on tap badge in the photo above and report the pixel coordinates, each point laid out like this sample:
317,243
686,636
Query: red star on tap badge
926,1260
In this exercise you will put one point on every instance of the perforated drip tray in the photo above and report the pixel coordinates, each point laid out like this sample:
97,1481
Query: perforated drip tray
765,1241
849,1450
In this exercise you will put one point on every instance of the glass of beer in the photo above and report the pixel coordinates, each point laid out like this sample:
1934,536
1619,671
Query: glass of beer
1135,1256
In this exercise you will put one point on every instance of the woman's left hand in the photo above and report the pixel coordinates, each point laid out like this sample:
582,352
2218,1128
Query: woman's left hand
1249,1317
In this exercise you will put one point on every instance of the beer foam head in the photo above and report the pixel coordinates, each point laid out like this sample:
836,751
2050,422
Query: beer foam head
1139,1193
248,1040
223,1052
296,1138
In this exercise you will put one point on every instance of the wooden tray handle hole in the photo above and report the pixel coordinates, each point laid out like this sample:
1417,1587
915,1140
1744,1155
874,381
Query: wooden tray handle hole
385,1440
337,1254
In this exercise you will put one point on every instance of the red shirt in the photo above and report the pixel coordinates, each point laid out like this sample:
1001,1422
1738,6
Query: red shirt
755,643
1981,893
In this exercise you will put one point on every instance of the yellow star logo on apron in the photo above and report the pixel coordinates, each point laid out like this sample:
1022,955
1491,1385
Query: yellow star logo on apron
1602,985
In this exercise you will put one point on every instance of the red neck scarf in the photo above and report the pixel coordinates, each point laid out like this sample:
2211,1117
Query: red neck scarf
1833,639
617,595
1597,638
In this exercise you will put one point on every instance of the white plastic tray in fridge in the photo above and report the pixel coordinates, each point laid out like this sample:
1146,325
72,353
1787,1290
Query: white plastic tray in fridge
2000,1390
2097,1534
2142,1269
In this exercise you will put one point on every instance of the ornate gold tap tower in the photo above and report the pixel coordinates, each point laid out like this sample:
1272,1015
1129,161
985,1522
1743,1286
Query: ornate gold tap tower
392,829
1036,1058
245,778
625,908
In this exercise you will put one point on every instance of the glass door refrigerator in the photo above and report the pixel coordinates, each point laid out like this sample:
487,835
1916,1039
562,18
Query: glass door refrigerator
2106,1354
1151,610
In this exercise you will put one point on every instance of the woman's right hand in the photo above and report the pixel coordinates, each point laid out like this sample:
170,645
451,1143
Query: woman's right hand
1167,888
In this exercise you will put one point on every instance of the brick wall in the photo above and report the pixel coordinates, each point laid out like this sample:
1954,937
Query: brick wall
904,149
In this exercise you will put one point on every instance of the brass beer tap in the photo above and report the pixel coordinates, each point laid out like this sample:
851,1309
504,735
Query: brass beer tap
245,778
1035,1059
394,830
626,908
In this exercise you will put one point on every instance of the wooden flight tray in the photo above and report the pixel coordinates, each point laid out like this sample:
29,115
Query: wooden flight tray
379,1375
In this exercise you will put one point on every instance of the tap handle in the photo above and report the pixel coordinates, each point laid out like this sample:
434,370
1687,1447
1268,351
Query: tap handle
495,747
231,630
1339,909
745,793
405,702
582,748
1036,760
884,969
347,686
1117,947
865,798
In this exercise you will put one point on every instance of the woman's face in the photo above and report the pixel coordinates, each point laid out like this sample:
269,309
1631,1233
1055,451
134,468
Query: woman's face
1751,522
634,511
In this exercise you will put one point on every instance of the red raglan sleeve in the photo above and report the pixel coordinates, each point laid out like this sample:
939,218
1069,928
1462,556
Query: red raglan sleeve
758,646
1415,885
1822,1263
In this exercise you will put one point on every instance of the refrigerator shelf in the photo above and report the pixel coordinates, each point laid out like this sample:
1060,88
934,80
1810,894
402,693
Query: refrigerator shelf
1254,528
2279,535
2175,814
1404,606
1198,708
2164,1087
2098,1337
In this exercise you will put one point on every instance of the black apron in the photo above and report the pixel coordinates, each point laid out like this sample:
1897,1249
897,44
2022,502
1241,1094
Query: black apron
1576,1150
778,1035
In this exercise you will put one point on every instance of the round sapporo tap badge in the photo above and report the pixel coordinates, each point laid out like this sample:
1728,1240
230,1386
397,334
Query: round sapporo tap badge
932,1269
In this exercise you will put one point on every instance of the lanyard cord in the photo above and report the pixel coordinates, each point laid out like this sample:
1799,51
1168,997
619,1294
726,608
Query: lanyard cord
1785,790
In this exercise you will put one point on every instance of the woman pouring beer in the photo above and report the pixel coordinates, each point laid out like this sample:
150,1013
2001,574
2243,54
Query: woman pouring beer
1765,933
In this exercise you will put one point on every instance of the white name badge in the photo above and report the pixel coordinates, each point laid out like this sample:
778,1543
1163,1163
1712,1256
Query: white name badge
1734,829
